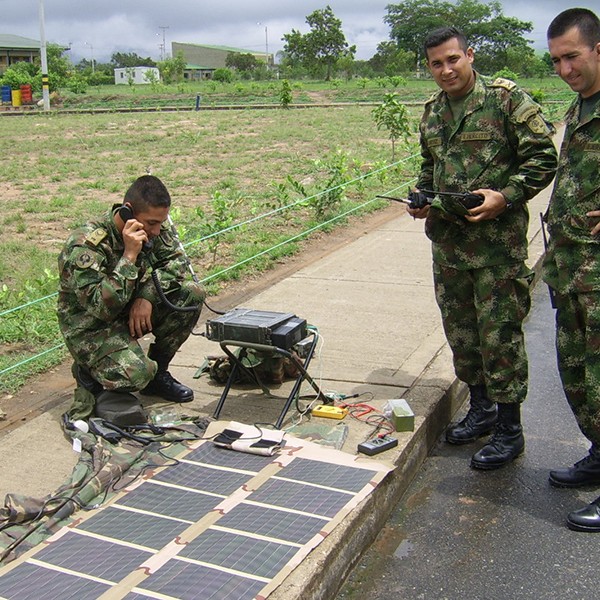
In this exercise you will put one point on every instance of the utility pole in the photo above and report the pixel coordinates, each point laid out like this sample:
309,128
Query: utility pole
92,51
44,59
266,46
163,48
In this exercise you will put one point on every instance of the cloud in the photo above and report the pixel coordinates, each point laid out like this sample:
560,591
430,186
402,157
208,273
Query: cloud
134,25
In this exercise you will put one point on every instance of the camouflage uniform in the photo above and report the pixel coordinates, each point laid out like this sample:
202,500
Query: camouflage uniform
500,142
572,267
97,288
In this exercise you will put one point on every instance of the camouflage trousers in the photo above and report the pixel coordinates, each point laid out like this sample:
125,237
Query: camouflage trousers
578,350
482,313
117,360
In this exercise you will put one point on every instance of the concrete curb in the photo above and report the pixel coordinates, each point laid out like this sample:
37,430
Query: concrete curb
322,574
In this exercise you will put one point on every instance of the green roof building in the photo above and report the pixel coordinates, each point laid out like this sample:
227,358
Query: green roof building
15,48
211,57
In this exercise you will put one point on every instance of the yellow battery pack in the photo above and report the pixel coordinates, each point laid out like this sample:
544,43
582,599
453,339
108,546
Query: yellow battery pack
329,412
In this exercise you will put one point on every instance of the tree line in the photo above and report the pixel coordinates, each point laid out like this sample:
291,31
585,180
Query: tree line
499,41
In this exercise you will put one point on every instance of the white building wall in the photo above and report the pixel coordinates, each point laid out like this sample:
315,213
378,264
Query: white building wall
138,74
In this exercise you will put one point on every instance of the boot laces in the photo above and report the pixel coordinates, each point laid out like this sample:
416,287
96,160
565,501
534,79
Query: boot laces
586,460
472,416
500,430
165,377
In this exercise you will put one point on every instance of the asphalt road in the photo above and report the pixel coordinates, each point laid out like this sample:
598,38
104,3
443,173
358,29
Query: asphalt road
463,534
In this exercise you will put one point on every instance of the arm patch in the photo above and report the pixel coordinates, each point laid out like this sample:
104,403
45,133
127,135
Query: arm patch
529,112
507,84
96,236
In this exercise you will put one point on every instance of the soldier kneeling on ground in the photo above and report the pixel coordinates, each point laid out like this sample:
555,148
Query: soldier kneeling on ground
108,300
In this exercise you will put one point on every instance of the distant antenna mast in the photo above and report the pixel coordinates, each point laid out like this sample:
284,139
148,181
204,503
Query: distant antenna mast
163,48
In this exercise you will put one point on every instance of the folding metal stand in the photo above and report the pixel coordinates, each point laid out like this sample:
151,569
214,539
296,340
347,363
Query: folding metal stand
237,365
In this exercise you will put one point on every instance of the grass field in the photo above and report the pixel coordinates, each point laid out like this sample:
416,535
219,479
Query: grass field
221,167
214,94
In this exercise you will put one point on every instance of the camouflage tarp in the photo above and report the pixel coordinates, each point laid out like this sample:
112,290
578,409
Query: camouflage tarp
102,470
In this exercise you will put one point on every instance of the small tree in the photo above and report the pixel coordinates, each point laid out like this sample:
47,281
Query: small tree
130,76
285,94
243,62
172,69
321,47
151,77
391,115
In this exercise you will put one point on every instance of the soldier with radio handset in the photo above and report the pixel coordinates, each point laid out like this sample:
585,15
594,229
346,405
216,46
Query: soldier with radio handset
487,150
120,278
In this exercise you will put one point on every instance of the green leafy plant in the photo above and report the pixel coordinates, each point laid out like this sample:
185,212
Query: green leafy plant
285,94
223,75
17,75
538,95
337,170
77,84
391,115
506,73
214,224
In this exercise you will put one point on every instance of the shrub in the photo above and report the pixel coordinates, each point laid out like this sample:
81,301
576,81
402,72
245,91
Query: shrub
506,73
77,84
17,75
223,75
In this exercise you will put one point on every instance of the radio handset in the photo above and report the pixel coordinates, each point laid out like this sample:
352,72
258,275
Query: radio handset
126,214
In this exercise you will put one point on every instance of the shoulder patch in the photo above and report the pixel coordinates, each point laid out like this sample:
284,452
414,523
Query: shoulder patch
538,125
84,260
96,236
525,111
507,84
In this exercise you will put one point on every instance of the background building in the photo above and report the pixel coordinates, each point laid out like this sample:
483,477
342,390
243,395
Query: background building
203,60
136,75
15,48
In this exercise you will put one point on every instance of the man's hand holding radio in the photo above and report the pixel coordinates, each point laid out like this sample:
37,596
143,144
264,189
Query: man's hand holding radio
134,237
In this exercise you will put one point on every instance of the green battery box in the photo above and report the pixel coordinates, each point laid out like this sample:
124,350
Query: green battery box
401,415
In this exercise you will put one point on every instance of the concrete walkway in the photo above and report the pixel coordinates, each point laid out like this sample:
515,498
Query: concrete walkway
373,304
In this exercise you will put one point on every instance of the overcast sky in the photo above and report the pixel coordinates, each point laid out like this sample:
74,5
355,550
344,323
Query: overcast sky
99,28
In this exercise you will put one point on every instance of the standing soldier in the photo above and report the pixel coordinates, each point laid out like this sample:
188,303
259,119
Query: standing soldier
489,138
107,300
572,264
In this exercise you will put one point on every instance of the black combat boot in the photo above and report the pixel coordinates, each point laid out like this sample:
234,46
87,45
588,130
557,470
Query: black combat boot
85,380
164,385
507,442
479,421
586,519
582,473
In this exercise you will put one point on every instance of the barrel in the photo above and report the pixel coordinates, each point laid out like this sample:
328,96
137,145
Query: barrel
16,97
6,97
26,96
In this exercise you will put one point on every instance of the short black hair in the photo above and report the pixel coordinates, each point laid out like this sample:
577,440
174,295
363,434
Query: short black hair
146,191
443,34
583,19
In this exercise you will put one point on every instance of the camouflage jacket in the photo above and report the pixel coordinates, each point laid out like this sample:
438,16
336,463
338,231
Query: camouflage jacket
573,250
97,285
501,142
